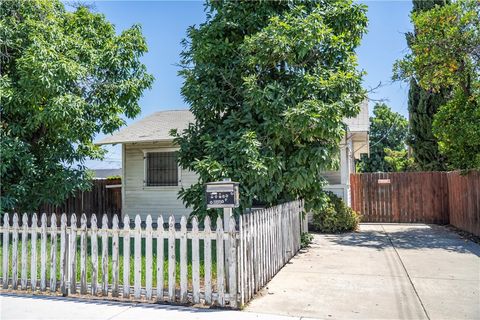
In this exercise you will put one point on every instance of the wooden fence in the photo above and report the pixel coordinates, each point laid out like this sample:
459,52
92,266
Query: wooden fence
105,197
156,264
464,201
426,197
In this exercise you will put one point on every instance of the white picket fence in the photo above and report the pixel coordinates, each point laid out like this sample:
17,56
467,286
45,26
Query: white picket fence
269,238
76,260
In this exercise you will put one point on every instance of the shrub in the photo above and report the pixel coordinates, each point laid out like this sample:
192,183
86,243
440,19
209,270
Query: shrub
335,216
305,239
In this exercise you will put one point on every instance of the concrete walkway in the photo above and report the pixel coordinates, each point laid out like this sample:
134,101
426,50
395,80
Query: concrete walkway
51,308
384,271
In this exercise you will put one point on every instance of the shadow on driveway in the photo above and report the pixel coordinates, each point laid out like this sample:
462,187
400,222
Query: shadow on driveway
408,236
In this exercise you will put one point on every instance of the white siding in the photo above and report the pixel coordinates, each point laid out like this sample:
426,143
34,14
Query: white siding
143,200
332,177
339,190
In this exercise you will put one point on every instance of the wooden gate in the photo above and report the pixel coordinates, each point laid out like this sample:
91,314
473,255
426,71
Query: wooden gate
401,197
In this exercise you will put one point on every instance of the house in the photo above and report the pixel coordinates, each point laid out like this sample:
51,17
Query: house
151,177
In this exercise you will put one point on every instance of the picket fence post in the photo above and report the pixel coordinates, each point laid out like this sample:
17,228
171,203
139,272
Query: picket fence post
53,253
115,256
220,264
72,265
148,258
23,264
183,260
171,259
208,260
33,253
5,252
195,261
83,254
104,232
94,252
126,257
232,261
137,263
43,253
15,251
160,258
63,254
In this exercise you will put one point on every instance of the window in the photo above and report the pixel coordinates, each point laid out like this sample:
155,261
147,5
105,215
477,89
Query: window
161,169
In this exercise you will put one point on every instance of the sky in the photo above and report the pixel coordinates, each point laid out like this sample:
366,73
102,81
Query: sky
164,25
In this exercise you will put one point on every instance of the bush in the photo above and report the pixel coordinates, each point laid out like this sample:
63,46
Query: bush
335,216
305,240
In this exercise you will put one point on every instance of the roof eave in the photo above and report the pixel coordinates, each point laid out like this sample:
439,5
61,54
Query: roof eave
101,143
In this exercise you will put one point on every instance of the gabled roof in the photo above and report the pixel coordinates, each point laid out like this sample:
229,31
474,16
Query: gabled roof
155,127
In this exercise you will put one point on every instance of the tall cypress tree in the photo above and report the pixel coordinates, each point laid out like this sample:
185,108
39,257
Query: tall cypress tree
422,106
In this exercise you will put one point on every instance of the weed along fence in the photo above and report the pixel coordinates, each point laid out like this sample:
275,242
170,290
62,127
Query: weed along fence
158,263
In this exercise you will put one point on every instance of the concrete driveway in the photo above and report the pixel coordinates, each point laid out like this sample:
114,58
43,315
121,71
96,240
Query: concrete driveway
384,271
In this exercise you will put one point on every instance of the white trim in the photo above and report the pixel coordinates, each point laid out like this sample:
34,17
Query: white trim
124,179
112,186
166,149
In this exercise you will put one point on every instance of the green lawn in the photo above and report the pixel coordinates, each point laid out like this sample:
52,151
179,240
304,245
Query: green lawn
121,266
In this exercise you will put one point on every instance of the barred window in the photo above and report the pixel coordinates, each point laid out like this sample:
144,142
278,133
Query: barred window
162,169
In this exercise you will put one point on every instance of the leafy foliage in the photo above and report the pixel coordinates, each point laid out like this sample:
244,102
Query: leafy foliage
422,106
423,5
335,216
305,240
65,76
269,84
388,130
445,57
399,160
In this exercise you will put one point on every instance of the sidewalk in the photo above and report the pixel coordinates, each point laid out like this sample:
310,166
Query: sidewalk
49,308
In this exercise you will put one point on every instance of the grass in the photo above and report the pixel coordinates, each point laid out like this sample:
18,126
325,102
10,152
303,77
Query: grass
121,266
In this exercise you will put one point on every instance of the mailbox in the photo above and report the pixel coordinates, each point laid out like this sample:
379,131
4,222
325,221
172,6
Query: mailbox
222,194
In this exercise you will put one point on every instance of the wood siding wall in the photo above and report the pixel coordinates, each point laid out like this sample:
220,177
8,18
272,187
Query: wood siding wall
424,197
143,200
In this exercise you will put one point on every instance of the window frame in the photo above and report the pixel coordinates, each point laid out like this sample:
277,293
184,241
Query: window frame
145,170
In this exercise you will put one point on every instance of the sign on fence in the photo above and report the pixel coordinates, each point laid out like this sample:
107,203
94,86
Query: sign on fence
222,194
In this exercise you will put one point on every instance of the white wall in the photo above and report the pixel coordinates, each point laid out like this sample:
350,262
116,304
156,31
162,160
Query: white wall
143,200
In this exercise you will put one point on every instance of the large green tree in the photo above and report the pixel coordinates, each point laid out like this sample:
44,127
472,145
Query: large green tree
422,106
65,77
388,134
445,56
269,84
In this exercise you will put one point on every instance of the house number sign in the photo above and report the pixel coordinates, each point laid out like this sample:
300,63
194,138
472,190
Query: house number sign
222,194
